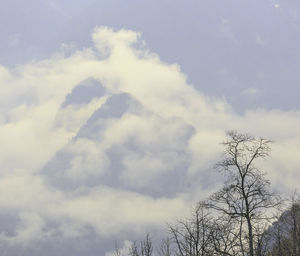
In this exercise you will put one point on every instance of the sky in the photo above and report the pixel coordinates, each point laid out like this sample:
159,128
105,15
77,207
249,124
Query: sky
112,112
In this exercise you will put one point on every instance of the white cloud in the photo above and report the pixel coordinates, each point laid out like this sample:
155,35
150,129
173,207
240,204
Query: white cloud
30,228
175,129
88,161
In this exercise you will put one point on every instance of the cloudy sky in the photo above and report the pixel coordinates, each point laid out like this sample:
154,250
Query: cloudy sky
112,112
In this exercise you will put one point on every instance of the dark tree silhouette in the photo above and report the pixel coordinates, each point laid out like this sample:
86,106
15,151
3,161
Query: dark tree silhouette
246,197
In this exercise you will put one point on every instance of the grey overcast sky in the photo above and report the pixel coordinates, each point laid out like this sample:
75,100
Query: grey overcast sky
112,112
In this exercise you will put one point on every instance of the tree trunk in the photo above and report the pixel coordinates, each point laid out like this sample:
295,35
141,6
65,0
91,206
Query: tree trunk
250,233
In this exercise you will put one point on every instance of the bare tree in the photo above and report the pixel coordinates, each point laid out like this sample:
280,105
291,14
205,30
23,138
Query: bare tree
295,224
234,220
165,248
288,230
225,236
117,251
285,231
192,237
146,246
144,249
245,197
134,250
